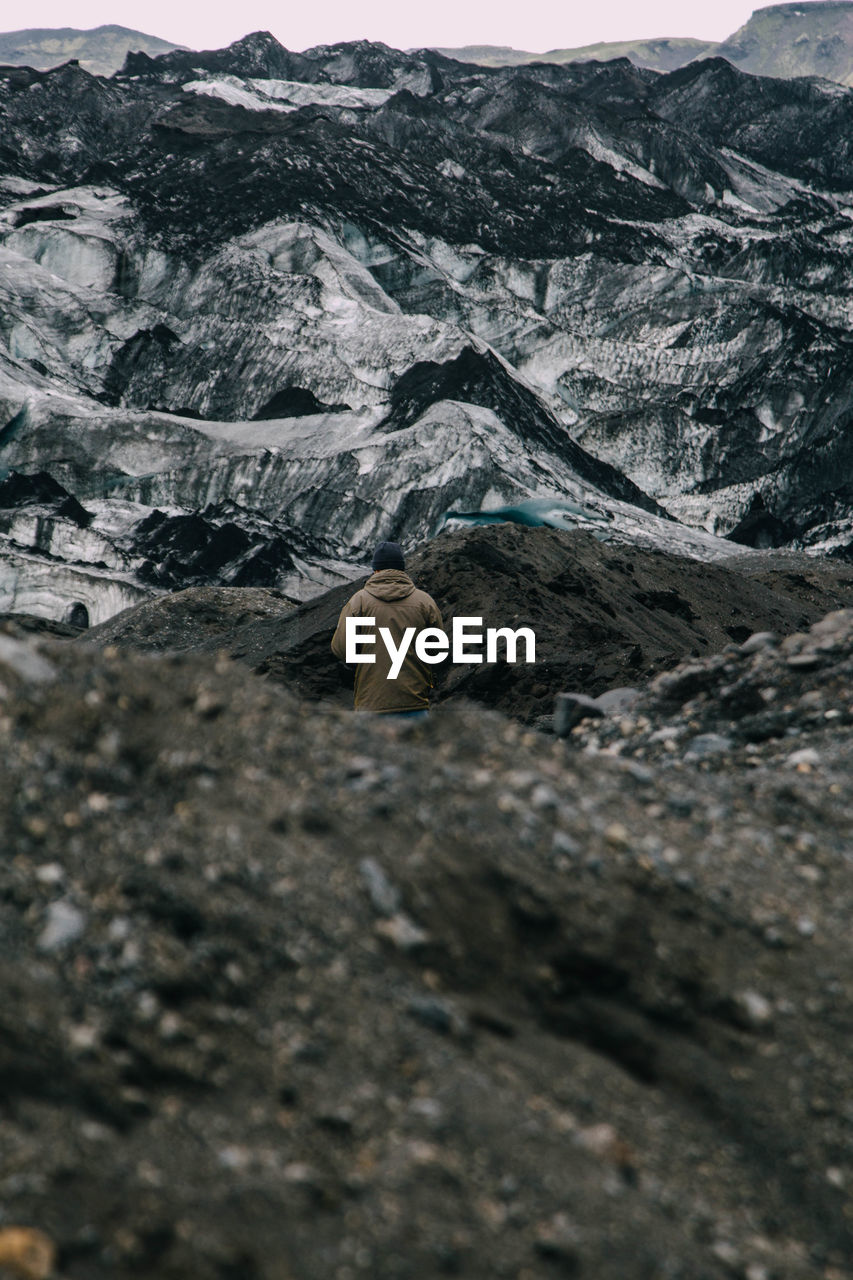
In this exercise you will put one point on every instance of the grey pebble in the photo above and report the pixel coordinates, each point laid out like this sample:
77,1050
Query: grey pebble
708,744
383,894
64,924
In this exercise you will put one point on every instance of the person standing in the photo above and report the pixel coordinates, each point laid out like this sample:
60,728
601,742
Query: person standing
391,598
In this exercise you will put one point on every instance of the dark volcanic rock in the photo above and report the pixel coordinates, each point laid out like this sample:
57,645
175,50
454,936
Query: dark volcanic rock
295,402
258,54
480,378
582,1015
18,490
603,615
187,550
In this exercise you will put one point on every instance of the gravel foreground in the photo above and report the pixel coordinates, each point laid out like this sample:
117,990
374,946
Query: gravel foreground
291,994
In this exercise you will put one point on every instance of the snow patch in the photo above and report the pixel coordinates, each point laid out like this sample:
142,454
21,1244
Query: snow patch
286,95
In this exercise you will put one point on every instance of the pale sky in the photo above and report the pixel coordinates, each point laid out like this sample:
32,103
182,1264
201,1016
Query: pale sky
536,25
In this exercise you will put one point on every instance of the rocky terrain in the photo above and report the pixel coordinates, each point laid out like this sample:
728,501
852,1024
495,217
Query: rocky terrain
604,615
291,993
259,309
531,989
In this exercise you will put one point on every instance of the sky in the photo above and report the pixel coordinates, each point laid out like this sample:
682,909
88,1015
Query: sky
536,25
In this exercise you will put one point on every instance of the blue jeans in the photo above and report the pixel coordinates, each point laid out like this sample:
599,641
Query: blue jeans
421,714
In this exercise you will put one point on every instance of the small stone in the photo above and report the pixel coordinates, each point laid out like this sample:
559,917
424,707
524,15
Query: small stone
617,701
809,873
384,896
50,873
618,835
753,1009
601,1140
759,640
402,932
170,1025
301,1175
806,928
558,1241
544,797
807,756
804,661
83,1037
562,842
571,708
234,1157
433,1013
26,1253
118,929
726,1253
708,744
64,925
147,1005
92,1131
208,704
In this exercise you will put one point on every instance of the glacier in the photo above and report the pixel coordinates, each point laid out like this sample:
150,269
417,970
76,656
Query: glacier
261,309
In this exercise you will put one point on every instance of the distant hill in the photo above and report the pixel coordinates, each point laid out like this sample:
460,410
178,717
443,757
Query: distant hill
101,50
491,55
659,55
814,38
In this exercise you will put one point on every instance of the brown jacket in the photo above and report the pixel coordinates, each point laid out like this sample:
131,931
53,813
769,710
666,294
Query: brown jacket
395,602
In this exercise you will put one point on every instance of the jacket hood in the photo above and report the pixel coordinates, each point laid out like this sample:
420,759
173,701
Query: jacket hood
390,584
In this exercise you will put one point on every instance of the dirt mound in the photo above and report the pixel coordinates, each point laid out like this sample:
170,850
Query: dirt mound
604,614
198,619
291,994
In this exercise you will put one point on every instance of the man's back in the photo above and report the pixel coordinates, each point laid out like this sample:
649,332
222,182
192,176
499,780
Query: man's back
390,597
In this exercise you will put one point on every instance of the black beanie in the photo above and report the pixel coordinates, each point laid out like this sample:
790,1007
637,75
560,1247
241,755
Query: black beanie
388,555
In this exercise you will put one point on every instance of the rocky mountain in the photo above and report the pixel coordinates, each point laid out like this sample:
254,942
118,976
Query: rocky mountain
261,309
814,38
100,50
291,994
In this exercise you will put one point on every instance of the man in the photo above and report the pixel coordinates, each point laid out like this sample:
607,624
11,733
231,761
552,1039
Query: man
392,599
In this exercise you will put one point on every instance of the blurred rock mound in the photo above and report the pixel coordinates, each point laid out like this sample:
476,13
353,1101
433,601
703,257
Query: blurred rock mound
294,993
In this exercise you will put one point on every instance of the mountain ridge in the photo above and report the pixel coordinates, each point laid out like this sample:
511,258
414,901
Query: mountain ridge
788,40
100,50
782,40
